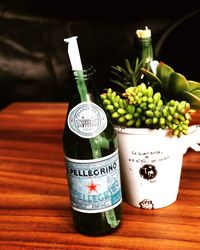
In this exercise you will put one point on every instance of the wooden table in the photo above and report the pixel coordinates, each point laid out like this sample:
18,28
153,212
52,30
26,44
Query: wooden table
34,200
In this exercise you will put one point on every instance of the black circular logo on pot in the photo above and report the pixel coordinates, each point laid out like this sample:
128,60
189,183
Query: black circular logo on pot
148,171
146,204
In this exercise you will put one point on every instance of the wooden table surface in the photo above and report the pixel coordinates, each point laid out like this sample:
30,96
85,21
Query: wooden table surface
34,199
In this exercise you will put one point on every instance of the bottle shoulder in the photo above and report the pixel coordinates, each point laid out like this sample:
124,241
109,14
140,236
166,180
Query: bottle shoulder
77,147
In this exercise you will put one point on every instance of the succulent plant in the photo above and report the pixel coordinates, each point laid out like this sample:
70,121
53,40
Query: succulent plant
164,101
139,106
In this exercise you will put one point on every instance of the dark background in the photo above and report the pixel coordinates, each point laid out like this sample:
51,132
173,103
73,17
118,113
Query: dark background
34,63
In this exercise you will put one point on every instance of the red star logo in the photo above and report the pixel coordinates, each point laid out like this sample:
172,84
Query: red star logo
92,187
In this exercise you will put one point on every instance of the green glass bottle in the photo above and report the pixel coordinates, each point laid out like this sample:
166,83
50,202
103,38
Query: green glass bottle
92,163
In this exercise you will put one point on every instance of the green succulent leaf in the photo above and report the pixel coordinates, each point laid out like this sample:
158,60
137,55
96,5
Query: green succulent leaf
193,85
151,77
130,72
177,83
196,93
191,98
163,72
119,83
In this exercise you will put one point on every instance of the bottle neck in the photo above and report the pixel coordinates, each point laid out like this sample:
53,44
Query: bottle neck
83,80
146,51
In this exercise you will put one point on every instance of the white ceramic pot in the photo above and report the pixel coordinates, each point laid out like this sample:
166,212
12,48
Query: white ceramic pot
151,163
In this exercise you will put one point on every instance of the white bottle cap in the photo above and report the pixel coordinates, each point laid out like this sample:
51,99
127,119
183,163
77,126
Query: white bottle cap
73,52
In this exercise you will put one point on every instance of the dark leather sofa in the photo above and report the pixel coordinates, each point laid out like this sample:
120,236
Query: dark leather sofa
34,64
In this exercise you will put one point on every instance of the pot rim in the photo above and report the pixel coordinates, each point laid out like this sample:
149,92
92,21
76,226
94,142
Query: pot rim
142,131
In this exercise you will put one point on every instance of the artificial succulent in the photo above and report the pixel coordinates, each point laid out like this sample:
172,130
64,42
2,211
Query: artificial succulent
163,101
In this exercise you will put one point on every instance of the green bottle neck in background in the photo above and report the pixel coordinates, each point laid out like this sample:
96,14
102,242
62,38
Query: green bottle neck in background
146,51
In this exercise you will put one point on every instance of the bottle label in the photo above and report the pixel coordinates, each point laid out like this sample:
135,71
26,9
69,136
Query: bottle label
94,184
87,120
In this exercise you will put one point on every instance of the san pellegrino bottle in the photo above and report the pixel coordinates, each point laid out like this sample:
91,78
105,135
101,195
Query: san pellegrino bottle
92,163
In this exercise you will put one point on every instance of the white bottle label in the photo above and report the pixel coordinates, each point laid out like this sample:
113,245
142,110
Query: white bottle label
87,120
94,184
